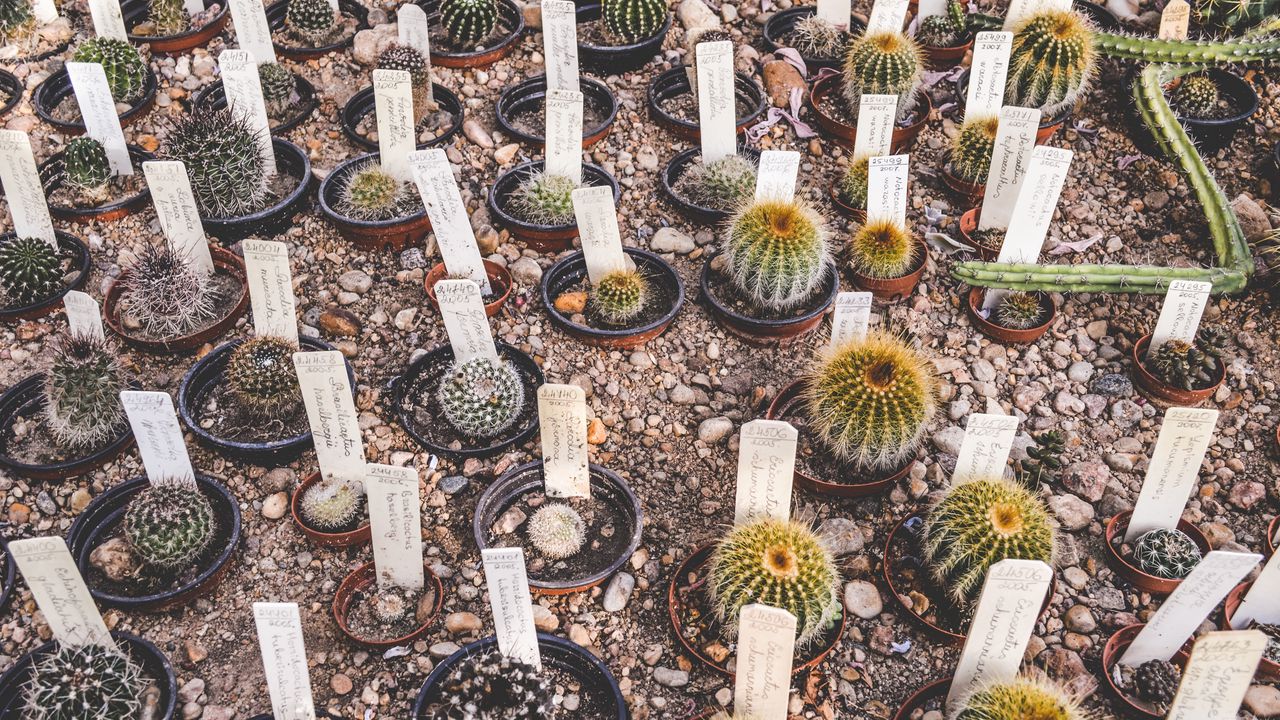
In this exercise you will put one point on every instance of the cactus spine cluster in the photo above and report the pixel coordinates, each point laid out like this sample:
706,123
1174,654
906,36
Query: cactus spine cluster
261,376
1156,681
390,606
972,149
169,526
82,393
86,167
853,183
630,21
332,505
468,22
168,17
883,249
945,30
1019,311
545,199
620,296
777,253
408,59
1196,96
124,67
1165,553
978,524
491,686
165,294
84,682
312,20
1051,62
1022,698
17,20
814,37
883,63
720,185
480,397
557,531
1190,366
1231,16
782,564
30,271
279,86
227,171
371,194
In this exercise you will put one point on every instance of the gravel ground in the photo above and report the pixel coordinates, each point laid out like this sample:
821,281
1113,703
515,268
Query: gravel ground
668,414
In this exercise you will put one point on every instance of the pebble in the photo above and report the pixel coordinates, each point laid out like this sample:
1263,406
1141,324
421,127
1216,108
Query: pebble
618,592
670,677
453,484
191,690
1087,478
1080,372
1080,619
1072,512
713,430
527,272
544,619
341,684
506,153
339,322
571,303
781,78
404,319
476,133
1113,385
671,240
462,623
274,507
356,281
1263,701
841,535
862,599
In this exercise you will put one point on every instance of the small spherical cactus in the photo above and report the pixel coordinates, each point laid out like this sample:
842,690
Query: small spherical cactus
408,59
261,376
86,167
481,398
220,149
279,88
777,253
467,22
1170,554
390,606
978,524
17,21
168,17
720,185
1051,62
853,184
312,20
1190,366
170,526
84,682
1044,458
332,505
371,194
620,296
1156,681
782,564
557,531
164,294
30,271
1019,311
630,21
1197,96
491,686
545,199
814,37
1022,698
972,149
125,69
883,63
883,249
82,393
938,31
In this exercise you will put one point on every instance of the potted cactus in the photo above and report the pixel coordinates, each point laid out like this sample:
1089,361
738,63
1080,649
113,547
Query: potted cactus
382,617
1268,668
1157,560
35,274
18,29
330,511
1019,317
1181,373
969,161
673,97
1019,698
946,37
537,206
307,29
1212,105
1148,688
472,33
625,309
709,192
166,26
372,209
80,185
820,43
521,109
290,98
128,76
437,111
849,192
1051,63
886,260
618,35
880,63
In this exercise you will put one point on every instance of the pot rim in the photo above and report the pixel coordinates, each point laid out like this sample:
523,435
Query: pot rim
52,176
508,12
361,105
1157,389
210,95
13,86
675,82
283,148
813,312
926,692
506,183
10,575
1235,87
1112,650
29,390
535,87
59,85
1130,572
494,271
359,580
330,186
82,264
643,258
211,29
594,7
770,33
998,332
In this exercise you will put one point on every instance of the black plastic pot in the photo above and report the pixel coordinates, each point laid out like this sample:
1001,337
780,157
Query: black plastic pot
214,97
531,95
1213,134
781,23
12,87
614,59
375,235
422,378
778,331
57,87
290,159
26,399
543,238
572,270
675,82
510,20
136,12
362,104
154,665
563,655
9,578
275,19
676,168
208,373
106,512
81,264
52,177
1100,16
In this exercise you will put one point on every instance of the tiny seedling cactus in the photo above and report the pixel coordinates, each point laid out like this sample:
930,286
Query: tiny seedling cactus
883,249
777,253
1164,553
557,531
853,184
1044,459
1156,681
480,397
86,167
630,21
1022,698
84,682
390,606
1190,366
30,270
1019,311
17,21
371,194
261,376
883,63
220,149
491,686
408,59
124,67
782,564
971,151
468,22
978,524
720,185
1196,96
170,526
82,393
168,17
165,295
311,20
545,199
945,30
279,88
620,296
332,505
814,37
1051,62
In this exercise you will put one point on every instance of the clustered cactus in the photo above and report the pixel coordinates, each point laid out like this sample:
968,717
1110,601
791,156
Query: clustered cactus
30,270
279,88
557,531
371,194
853,183
227,171
814,37
971,151
84,682
168,17
1196,96
165,295
468,22
17,20
124,67
480,397
261,376
720,185
945,30
620,296
1190,366
311,20
1019,311
86,167
545,199
169,526
870,401
978,524
82,393
1156,681
1044,459
883,249
1022,698
491,686
1051,62
408,59
1166,553
630,21
883,63
780,563
777,252
332,505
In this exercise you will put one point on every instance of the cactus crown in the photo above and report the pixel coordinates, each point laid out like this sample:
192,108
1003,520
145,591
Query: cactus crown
169,526
85,166
620,296
332,505
17,20
782,564
814,37
404,57
883,249
481,398
227,171
82,393
972,148
311,20
1156,681
980,523
630,21
883,63
777,252
468,22
261,376
1166,553
1190,366
1022,698
1020,311
945,30
165,294
125,69
279,85
853,183
1051,62
1044,459
1196,96
371,194
557,531
390,606
545,199
168,17
84,682
30,270
491,686
720,185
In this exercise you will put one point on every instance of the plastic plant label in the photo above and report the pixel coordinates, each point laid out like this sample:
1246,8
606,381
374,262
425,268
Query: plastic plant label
766,468
159,437
597,217
1174,20
465,321
887,189
59,591
1259,603
564,134
395,518
176,209
253,32
874,135
331,412
717,101
836,12
45,11
984,451
560,44
925,8
851,318
244,97
776,175
1172,472
413,31
511,603
1180,314
990,69
440,195
108,21
1033,210
1012,595
1188,606
22,188
271,289
1218,675
284,658
98,110
562,419
393,105
766,647
887,16
84,316
1015,141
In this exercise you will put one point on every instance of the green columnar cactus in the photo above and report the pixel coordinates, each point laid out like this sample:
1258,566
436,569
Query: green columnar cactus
853,184
82,393
279,87
30,271
1197,96
165,295
332,505
978,524
17,21
1044,459
468,22
782,564
883,249
481,398
870,401
261,376
1156,681
557,531
169,17
312,20
1231,16
883,63
1022,698
228,174
403,57
373,195
170,526
972,149
86,167
814,37
1019,311
630,21
777,253
84,682
1166,553
620,296
1051,62
720,185
125,69
491,686
545,199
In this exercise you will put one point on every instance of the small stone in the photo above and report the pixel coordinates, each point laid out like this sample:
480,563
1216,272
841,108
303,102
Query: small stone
841,535
462,623
196,652
862,599
487,239
404,319
1072,512
544,619
1080,619
80,499
671,240
1088,479
453,484
341,684
1112,385
695,14
596,432
356,281
571,303
670,677
781,79
476,133
508,521
191,690
1080,372
506,153
618,592
527,272
339,323
1246,494
274,507
1253,219
116,559
1263,701
713,430
1126,412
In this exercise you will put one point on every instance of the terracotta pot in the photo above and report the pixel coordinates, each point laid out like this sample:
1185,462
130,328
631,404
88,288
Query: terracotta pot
841,132
57,87
966,190
361,580
531,96
676,169
675,82
1111,654
1116,528
1161,392
616,58
12,87
856,214
537,236
781,23
499,281
275,19
26,399
52,176
968,226
891,290
936,690
781,332
572,270
225,263
214,97
510,22
273,220
945,58
392,235
81,265
358,536
363,104
1268,670
1006,335
136,12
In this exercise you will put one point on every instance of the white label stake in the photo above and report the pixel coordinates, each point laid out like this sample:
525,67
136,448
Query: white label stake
874,135
464,320
597,217
512,604
413,31
1180,314
108,21
179,216
984,451
331,412
887,189
1174,20
443,201
562,419
887,16
776,175
271,289
1034,207
564,134
990,69
1259,604
717,100
1172,472
159,437
1218,675
395,518
84,316
766,468
560,44
1015,140
284,657
98,110
766,647
244,97
253,32
851,318
22,188
836,12
393,105
60,592
45,11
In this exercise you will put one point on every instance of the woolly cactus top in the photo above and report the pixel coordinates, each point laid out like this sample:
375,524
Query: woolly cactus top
491,686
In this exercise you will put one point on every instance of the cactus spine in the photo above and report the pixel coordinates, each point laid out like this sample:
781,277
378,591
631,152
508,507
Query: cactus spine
86,167
17,21
279,86
491,686
84,682
468,21
373,195
557,531
1019,311
545,199
777,253
972,149
1230,16
720,185
1051,61
1022,698
261,376
311,20
30,271
403,57
228,174
480,397
1197,96
883,63
1166,553
630,21
125,69
620,296
168,17
170,526
883,249
82,393
815,37
165,294
853,184
332,505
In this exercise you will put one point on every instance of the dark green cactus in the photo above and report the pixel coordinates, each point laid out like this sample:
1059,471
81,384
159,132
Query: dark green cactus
1019,311
945,30
279,88
777,253
30,271
1196,96
1190,366
403,57
721,185
1170,554
17,20
545,199
972,149
170,526
311,20
373,195
164,294
261,376
82,393
1156,681
1044,459
620,296
1229,17
491,686
468,22
220,149
1051,62
86,167
480,397
630,21
125,69
169,17
883,63
84,682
